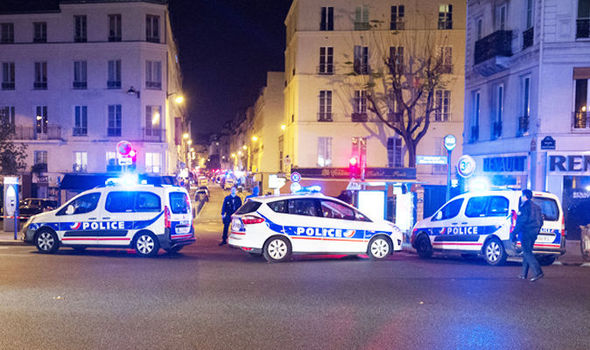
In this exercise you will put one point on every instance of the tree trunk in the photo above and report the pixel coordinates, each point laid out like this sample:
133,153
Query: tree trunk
411,154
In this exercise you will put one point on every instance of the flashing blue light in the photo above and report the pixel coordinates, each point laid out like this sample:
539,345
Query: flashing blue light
479,184
124,180
296,188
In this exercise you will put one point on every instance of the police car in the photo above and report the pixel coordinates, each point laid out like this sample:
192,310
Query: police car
480,223
278,226
143,217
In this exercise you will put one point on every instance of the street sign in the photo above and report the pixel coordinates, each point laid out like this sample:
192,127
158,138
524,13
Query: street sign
295,177
466,166
548,143
431,160
354,185
450,142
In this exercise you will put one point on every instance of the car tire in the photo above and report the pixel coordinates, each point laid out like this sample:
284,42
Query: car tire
379,248
146,244
546,260
494,252
277,249
174,250
46,241
423,247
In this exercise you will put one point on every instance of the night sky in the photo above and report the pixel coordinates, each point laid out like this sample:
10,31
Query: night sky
226,47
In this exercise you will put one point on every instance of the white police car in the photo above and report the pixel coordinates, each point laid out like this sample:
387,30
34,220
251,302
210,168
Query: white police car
278,226
143,217
480,223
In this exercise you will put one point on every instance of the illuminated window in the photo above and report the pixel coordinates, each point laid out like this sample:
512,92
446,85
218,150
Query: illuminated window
445,17
80,162
324,151
152,162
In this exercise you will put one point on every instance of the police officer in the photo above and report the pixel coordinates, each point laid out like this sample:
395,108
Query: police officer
528,224
231,203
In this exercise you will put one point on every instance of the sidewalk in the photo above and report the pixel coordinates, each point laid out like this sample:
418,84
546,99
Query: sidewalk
7,238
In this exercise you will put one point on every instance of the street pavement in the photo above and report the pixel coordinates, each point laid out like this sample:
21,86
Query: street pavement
211,297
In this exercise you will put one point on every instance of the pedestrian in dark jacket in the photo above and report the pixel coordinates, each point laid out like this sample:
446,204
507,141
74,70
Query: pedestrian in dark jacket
231,203
528,224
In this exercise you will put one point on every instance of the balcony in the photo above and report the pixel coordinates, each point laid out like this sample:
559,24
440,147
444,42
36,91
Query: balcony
581,121
41,39
446,68
326,69
362,26
114,37
583,28
474,136
153,39
523,126
8,86
528,37
496,130
362,69
397,25
79,168
150,134
492,53
79,85
39,168
156,85
111,84
359,117
80,39
40,85
51,132
394,117
80,131
113,132
325,117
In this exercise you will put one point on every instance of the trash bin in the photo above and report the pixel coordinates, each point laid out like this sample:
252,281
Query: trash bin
585,241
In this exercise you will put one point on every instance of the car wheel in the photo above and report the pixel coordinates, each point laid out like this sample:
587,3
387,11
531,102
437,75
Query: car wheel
46,241
174,250
146,244
277,249
379,248
546,260
423,247
494,252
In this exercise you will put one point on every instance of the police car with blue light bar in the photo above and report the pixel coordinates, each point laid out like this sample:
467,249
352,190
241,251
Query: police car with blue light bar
480,223
278,226
118,215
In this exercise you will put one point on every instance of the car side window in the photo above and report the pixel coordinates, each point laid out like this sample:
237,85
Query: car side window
279,207
147,202
497,206
81,205
449,211
304,206
120,202
476,207
334,210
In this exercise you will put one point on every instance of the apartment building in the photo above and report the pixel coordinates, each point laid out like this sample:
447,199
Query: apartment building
84,75
526,98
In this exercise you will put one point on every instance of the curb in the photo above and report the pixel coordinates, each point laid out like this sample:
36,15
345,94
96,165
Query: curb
17,242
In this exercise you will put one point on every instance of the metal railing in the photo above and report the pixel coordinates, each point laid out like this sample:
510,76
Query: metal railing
8,86
581,120
79,85
326,69
523,125
397,25
583,28
79,168
153,85
528,37
114,84
446,68
440,116
499,43
150,134
50,132
474,136
111,132
362,25
325,117
360,68
496,130
40,85
80,131
359,117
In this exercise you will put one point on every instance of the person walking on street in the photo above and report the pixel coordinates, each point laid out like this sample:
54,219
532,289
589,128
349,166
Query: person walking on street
231,203
528,224
255,193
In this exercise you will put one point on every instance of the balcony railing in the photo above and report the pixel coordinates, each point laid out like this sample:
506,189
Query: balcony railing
360,68
80,131
528,37
397,25
114,38
583,28
114,84
79,85
79,168
474,136
153,85
112,132
496,44
325,117
52,132
40,85
496,130
39,168
440,116
359,117
8,86
80,39
581,121
326,69
523,125
394,117
153,39
150,134
446,69
41,39
362,26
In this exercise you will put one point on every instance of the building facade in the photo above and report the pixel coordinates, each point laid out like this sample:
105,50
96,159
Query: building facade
81,77
526,97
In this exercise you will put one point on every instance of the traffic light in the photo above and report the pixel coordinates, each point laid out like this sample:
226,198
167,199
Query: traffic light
354,167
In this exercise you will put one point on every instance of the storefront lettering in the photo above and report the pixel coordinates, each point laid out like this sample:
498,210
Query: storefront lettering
504,164
574,163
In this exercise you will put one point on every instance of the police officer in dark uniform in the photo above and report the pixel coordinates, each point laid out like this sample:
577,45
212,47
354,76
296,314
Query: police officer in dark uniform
231,203
528,224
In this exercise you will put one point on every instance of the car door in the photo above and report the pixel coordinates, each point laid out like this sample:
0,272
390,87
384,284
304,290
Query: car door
78,220
343,228
117,218
444,222
303,224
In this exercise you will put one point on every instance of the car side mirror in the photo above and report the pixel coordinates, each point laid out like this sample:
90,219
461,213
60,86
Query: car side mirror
70,210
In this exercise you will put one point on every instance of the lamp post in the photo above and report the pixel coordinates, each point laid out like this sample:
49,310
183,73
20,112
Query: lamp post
449,142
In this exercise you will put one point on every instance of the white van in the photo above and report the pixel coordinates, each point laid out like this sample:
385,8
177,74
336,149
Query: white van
143,217
480,223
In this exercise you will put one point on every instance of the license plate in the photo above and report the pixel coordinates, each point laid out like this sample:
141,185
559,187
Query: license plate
545,239
182,229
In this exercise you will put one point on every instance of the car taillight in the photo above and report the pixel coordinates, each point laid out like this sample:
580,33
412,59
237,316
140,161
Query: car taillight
513,217
167,217
563,226
249,220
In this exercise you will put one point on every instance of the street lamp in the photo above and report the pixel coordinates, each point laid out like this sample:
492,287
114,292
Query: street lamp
178,100
189,142
132,91
283,127
254,138
244,147
185,135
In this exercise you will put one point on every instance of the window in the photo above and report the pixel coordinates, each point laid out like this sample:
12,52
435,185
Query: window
114,126
359,151
249,207
397,17
479,28
8,76
583,20
581,104
497,123
152,162
111,158
475,116
449,211
445,17
114,79
359,106
334,210
152,28
549,208
395,158
147,202
442,99
153,120
326,60
40,32
439,150
179,203
501,17
120,202
446,58
6,33
476,207
80,162
396,58
7,115
324,151
523,120
361,59
81,205
486,207
279,206
41,120
40,76
80,120
529,14
153,75
304,206
114,27
325,104
361,18
327,20
80,34
80,75
497,206
40,157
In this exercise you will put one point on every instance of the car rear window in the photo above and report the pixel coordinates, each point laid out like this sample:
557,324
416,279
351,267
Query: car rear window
248,207
279,206
179,203
549,208
131,201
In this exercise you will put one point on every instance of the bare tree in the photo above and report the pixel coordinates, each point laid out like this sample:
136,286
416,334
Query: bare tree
12,154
